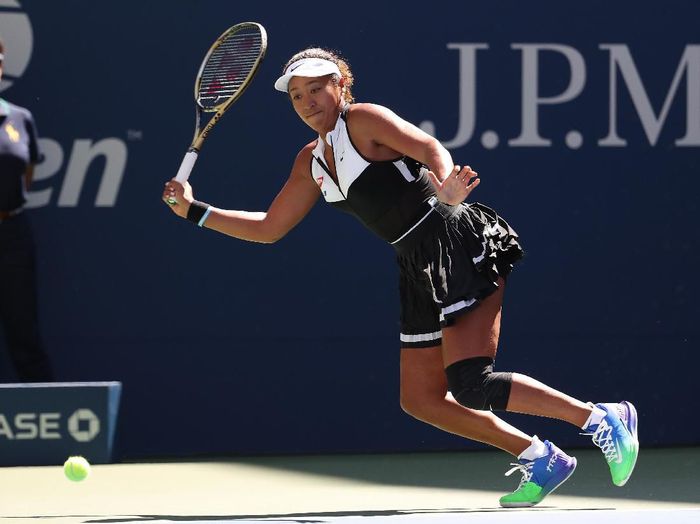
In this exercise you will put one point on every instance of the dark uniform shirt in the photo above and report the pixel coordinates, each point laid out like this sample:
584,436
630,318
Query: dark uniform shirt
449,257
388,197
18,148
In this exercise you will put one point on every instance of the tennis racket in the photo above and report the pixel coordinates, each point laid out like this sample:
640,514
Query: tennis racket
226,71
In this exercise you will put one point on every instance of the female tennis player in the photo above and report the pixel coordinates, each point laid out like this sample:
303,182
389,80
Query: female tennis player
453,258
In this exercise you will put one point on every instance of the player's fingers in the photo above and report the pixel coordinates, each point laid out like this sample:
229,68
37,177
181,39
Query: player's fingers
169,195
470,187
467,172
434,180
467,176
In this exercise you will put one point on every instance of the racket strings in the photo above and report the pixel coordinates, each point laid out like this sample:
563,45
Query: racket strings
229,67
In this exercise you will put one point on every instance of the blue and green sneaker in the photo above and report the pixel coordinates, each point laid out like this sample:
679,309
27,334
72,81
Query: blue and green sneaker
540,477
616,436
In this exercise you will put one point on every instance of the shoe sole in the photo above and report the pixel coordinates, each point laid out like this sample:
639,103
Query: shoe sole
632,422
530,504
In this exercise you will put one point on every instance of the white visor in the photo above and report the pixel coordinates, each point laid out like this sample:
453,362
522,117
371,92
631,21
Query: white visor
307,67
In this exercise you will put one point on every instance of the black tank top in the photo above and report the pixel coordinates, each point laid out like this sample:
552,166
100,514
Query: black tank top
388,197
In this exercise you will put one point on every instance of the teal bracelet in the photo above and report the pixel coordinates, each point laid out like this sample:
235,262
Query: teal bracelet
197,211
204,217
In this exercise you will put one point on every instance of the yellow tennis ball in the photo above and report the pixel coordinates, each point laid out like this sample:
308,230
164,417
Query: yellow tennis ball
76,468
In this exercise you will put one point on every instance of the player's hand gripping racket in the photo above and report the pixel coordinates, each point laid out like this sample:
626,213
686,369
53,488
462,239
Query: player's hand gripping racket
226,71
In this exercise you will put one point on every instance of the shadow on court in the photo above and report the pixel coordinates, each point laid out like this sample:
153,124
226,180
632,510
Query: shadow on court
414,488
662,474
321,517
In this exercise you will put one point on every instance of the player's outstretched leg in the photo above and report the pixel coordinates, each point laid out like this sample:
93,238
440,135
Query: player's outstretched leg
614,430
544,468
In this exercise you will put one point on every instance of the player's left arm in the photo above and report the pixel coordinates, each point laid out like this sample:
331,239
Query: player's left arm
385,128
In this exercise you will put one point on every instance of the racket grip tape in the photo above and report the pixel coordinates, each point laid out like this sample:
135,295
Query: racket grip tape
186,167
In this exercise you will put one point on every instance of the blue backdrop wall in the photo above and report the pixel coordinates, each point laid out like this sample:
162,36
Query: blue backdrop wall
583,121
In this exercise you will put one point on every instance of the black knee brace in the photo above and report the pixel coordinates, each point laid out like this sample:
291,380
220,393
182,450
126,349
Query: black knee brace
474,384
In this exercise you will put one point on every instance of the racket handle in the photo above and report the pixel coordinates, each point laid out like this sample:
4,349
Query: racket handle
184,172
186,167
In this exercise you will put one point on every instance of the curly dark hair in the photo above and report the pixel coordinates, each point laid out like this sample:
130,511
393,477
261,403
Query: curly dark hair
326,54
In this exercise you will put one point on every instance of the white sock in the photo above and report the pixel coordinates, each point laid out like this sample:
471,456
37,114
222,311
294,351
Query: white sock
594,418
535,450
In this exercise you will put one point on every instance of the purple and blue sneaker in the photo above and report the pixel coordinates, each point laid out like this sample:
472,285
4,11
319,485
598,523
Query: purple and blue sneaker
541,476
616,436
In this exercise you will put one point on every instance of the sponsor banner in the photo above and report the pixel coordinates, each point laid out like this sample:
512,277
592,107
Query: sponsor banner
43,424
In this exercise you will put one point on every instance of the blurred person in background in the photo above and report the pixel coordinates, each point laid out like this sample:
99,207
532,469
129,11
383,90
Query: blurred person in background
19,153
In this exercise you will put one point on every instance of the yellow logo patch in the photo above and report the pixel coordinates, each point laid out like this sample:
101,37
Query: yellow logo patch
12,132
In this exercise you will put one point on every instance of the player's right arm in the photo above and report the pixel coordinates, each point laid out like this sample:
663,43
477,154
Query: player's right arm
290,206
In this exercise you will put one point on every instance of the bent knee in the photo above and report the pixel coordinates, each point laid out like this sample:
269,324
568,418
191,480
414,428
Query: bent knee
421,404
475,385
